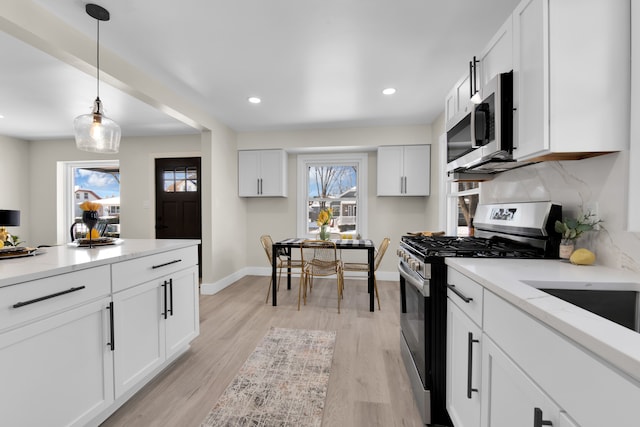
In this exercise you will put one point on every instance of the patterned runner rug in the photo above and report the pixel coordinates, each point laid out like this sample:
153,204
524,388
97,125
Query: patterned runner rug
282,383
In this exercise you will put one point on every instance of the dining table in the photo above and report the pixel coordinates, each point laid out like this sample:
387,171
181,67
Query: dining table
284,247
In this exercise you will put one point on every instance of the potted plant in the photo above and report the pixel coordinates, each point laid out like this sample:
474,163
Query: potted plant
572,228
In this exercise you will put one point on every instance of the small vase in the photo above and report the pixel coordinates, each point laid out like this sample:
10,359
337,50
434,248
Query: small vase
90,219
566,249
324,232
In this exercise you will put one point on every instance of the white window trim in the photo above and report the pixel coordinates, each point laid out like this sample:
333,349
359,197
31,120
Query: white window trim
304,160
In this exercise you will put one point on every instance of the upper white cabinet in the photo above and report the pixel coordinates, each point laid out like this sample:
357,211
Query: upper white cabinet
571,61
634,149
458,102
497,56
262,173
404,170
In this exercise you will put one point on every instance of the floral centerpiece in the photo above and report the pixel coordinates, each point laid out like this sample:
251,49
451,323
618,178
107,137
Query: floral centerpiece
6,239
324,218
572,228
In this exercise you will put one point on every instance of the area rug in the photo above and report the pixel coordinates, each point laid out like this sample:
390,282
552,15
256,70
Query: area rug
282,383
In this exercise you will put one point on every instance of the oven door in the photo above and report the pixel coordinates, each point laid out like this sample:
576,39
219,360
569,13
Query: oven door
414,311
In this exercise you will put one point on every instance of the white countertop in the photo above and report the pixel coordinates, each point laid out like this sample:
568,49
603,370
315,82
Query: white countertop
64,259
614,343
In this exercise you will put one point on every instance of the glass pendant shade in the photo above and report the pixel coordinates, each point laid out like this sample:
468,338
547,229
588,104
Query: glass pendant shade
97,133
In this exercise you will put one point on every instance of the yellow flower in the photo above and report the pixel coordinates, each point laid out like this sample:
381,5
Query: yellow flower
324,216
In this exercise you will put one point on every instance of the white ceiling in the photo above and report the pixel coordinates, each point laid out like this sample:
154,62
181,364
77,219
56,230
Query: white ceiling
314,64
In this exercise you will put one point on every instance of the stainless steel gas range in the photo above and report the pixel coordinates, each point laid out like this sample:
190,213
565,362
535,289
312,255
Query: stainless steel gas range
514,230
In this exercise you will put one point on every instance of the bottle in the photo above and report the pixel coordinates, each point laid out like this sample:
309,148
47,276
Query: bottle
472,229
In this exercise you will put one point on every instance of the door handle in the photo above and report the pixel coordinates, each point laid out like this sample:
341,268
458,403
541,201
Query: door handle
470,342
166,309
112,335
460,294
537,419
171,297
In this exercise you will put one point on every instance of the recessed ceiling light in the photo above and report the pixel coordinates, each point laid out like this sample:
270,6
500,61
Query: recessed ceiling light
254,100
389,91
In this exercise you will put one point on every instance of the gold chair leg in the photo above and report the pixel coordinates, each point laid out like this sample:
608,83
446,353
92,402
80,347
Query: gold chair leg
375,286
300,289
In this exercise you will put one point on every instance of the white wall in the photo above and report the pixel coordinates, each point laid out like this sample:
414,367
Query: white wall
15,174
578,185
388,216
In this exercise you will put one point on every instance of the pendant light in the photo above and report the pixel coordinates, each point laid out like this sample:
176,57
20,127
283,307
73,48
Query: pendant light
96,132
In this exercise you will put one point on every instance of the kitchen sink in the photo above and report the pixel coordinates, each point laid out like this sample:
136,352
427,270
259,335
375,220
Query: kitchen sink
618,302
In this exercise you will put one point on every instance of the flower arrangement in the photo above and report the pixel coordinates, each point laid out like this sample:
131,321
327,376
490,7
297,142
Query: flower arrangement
90,206
6,239
324,217
572,228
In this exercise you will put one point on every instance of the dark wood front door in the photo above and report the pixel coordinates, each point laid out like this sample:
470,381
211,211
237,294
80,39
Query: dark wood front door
178,200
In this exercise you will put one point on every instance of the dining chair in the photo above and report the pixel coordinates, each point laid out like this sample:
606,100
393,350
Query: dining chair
319,258
364,266
282,261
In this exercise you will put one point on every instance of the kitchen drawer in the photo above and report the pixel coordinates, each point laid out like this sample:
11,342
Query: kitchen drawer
28,301
466,294
587,388
133,272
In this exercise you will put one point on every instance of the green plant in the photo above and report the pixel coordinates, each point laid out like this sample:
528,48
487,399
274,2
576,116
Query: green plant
572,228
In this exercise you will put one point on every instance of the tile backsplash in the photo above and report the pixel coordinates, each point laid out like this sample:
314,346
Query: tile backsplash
598,183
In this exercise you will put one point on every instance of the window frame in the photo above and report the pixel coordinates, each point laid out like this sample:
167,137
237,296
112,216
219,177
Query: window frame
360,160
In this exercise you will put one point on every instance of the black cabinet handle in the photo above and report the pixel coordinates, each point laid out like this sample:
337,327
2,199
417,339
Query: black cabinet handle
46,297
537,419
460,294
171,296
470,365
164,288
112,337
470,79
165,264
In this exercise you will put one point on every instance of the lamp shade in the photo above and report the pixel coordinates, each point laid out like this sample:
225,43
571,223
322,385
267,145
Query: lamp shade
97,133
9,218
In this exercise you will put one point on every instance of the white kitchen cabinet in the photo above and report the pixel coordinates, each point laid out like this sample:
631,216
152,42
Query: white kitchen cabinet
139,347
566,106
497,56
404,170
464,349
463,367
58,370
583,388
458,102
510,398
156,319
262,173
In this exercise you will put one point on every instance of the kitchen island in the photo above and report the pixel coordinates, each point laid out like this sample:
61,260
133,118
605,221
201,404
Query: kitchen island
83,329
538,357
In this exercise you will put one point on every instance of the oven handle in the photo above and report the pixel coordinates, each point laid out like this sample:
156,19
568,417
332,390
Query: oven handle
410,277
460,294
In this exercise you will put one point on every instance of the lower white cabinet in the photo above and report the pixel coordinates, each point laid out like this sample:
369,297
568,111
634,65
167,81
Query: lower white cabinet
511,398
464,354
153,321
57,371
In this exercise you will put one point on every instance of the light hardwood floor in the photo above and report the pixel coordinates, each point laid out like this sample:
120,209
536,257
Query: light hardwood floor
368,384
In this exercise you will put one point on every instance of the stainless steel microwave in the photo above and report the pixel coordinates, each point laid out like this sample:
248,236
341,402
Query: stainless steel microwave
484,137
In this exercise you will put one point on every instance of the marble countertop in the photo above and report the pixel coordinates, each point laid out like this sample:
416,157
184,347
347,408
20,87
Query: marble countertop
64,259
506,278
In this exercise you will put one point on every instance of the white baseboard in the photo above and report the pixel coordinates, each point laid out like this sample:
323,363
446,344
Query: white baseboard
212,288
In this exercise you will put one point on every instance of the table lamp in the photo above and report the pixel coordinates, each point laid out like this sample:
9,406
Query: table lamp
9,218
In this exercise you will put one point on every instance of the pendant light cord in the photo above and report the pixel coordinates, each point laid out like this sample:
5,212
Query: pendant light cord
98,60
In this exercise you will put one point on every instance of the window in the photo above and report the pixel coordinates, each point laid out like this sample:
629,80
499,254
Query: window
336,182
463,199
96,181
180,179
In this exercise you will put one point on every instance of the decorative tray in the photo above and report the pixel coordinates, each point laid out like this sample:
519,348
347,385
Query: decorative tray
18,252
100,241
